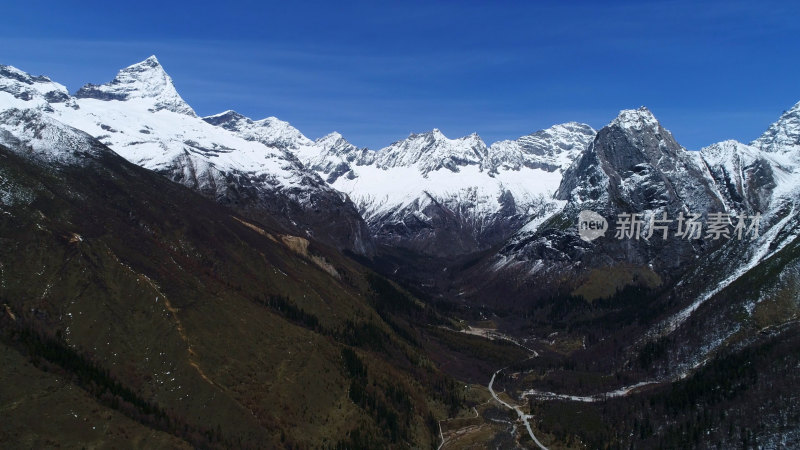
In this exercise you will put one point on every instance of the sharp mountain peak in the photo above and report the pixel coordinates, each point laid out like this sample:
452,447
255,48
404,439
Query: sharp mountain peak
783,136
637,119
144,80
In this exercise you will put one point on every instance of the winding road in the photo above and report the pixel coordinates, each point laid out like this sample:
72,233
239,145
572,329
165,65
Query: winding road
524,417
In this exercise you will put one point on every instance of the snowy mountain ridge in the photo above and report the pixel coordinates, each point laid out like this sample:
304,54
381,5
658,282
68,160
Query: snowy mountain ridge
634,165
428,186
141,117
424,192
20,89
412,189
31,133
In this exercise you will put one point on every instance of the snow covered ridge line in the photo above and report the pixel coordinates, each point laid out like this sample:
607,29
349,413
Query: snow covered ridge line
427,152
40,137
141,117
404,190
146,86
25,88
427,189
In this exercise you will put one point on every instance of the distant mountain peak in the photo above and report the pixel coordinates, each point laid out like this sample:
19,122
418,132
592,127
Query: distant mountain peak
226,119
432,151
784,135
19,75
150,68
644,134
435,134
635,119
471,137
26,87
333,135
331,138
551,149
146,80
227,114
272,121
269,131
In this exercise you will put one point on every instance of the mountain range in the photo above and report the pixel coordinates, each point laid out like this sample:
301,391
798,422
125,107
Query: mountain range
366,256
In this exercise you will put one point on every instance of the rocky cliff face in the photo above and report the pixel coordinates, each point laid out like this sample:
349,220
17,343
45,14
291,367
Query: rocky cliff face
635,166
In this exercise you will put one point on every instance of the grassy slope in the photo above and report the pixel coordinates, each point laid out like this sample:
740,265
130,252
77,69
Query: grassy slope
170,294
41,409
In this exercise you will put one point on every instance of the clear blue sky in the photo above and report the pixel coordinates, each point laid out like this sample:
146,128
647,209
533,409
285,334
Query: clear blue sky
377,70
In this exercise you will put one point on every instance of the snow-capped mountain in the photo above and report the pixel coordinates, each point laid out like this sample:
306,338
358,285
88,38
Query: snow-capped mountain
333,156
141,116
642,167
691,295
429,193
555,148
634,165
432,151
481,229
146,81
745,176
783,136
24,89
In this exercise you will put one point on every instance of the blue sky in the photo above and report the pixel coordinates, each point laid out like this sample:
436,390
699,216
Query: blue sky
378,70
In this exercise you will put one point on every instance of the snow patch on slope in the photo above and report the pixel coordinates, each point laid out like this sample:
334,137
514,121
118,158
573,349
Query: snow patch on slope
31,133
